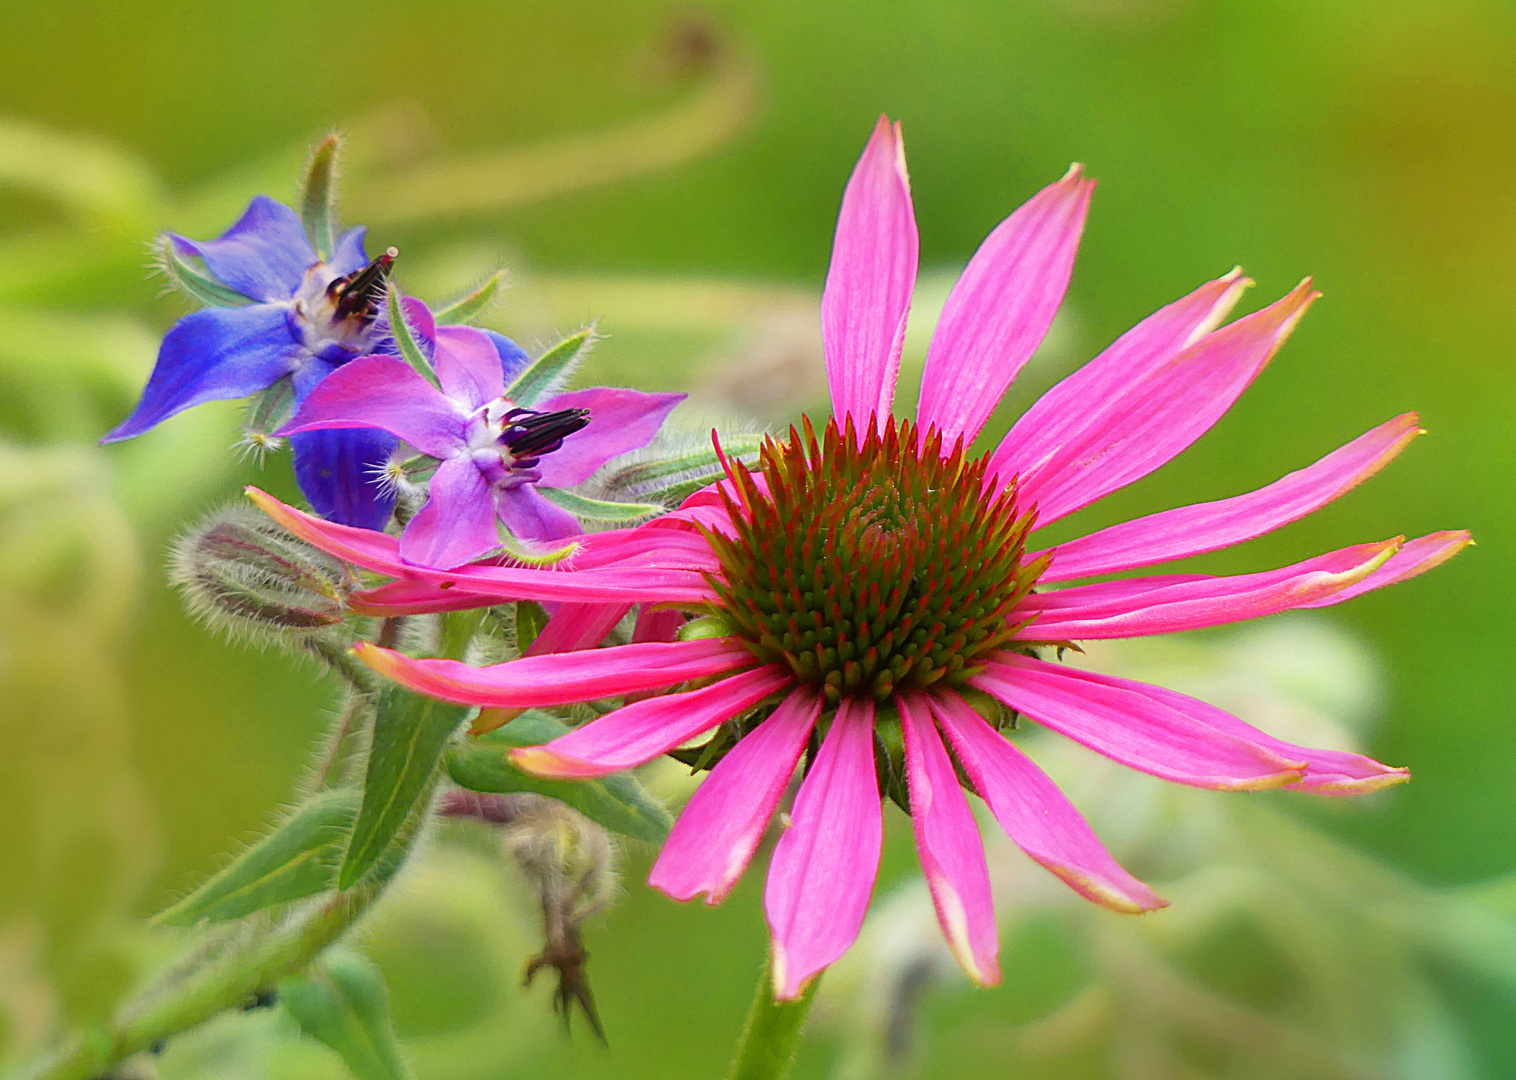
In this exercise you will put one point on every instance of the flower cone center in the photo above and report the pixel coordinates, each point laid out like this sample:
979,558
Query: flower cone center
875,568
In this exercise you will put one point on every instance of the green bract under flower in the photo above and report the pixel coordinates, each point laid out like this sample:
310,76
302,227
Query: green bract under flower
872,566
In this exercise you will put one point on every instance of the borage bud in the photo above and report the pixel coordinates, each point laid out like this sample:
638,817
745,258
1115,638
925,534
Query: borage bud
245,575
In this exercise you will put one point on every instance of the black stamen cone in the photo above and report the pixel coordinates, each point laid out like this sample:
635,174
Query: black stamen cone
532,434
361,291
872,569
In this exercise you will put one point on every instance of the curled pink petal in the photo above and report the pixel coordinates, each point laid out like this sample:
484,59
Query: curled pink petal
1327,772
949,846
1136,607
1000,309
457,524
643,730
468,365
380,553
823,870
716,835
382,392
1191,530
560,678
1035,814
1414,557
869,284
1124,721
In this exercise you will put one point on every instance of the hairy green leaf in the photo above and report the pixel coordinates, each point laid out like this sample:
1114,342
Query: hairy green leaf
296,860
468,308
318,202
550,370
190,281
619,802
343,1003
405,341
598,509
409,734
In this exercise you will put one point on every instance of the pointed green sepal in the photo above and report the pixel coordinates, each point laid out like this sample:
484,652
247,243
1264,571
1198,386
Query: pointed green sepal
550,370
298,859
318,201
343,1002
468,308
599,509
409,735
405,340
618,802
190,281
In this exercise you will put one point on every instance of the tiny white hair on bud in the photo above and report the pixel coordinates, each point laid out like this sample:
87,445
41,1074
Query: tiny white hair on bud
243,575
633,477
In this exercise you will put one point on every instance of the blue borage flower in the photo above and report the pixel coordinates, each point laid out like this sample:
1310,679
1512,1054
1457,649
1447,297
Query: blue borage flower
305,317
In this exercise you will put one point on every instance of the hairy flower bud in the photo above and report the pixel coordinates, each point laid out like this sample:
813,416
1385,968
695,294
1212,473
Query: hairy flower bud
245,575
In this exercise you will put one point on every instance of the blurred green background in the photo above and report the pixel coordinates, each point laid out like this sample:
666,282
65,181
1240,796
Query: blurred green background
675,173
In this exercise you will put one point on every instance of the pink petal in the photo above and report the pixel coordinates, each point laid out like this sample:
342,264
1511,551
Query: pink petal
620,421
1001,308
468,367
1125,722
577,626
657,624
408,597
1328,772
869,284
1191,530
824,866
1035,814
643,730
560,678
1136,607
382,392
381,553
457,524
949,846
1415,557
667,549
716,835
1153,417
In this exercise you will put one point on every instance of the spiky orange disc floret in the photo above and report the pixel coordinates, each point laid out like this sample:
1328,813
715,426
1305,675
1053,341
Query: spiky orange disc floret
875,568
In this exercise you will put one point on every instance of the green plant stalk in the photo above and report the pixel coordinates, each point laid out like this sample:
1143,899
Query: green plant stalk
771,1034
225,983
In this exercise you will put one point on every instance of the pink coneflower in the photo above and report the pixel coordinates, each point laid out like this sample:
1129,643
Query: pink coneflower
872,605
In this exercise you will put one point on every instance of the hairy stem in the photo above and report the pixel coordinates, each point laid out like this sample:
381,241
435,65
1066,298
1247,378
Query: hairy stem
771,1035
225,983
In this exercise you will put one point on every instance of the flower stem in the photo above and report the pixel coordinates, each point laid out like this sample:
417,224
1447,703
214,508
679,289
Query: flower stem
225,983
771,1035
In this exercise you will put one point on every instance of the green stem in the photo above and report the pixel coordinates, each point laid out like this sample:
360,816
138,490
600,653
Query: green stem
771,1035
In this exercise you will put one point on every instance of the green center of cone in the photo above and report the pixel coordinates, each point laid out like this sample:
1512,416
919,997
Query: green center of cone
872,569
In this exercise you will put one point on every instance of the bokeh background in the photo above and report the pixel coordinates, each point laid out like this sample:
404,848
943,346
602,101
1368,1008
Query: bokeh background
674,172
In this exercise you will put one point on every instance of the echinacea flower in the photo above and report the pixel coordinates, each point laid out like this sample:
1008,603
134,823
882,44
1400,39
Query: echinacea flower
304,317
493,453
870,603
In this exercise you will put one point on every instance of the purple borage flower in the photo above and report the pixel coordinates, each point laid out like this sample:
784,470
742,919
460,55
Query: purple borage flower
306,317
493,453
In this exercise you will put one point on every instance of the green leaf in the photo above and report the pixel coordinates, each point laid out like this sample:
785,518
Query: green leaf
619,802
318,203
184,277
298,859
405,341
531,617
550,370
598,509
468,308
409,734
343,1003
